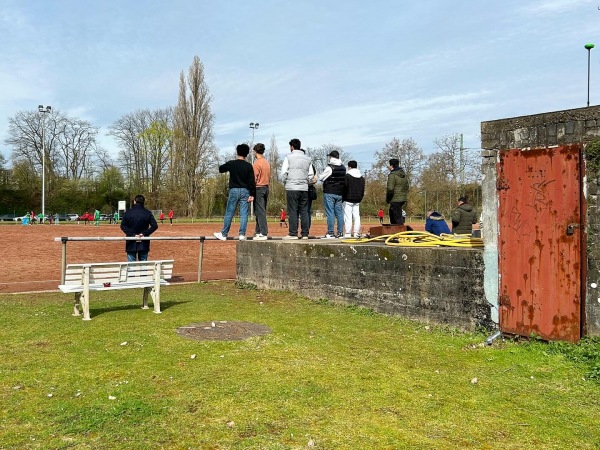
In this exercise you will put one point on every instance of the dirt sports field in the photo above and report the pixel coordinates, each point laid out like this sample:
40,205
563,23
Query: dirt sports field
32,259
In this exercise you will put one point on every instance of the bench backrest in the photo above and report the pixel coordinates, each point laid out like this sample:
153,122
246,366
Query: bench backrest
118,272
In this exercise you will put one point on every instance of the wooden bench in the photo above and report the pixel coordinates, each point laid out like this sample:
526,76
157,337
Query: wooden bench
83,278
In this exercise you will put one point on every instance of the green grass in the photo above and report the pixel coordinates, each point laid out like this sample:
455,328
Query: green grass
335,377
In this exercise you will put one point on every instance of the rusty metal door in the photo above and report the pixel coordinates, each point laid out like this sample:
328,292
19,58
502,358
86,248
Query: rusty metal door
540,242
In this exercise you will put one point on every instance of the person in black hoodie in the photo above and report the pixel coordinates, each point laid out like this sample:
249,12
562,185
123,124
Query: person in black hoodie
354,191
138,222
333,187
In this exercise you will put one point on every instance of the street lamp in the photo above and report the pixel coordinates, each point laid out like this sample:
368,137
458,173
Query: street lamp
43,111
254,126
589,48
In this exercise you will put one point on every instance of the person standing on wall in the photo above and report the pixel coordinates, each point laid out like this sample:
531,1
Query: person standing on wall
171,214
296,171
333,178
396,191
463,217
354,191
262,175
242,189
138,222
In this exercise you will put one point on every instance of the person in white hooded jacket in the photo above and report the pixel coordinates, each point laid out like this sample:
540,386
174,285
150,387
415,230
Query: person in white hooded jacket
354,191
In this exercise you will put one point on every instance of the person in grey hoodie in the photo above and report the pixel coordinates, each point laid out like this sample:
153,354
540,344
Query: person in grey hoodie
463,217
296,171
354,191
396,192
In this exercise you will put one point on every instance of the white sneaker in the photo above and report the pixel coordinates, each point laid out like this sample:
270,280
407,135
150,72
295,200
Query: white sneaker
241,237
289,238
259,237
328,236
347,235
304,237
220,236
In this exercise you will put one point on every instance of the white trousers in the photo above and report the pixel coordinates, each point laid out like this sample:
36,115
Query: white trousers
351,213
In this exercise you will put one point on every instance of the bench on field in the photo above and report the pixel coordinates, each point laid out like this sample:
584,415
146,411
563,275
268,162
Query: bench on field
83,278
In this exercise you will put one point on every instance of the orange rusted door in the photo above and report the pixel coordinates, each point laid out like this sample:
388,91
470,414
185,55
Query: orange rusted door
540,242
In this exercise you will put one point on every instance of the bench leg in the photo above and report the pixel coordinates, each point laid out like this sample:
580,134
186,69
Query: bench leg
155,294
77,304
145,298
85,302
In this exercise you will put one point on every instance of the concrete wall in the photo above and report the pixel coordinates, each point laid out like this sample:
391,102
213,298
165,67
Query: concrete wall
440,285
575,126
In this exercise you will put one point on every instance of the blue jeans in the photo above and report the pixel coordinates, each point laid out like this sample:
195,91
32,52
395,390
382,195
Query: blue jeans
141,256
236,196
334,210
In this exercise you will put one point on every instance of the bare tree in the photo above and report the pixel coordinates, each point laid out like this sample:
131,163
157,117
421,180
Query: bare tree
274,159
320,158
462,165
193,149
406,151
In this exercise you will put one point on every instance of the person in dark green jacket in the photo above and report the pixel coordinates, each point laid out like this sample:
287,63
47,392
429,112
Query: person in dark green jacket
463,217
396,192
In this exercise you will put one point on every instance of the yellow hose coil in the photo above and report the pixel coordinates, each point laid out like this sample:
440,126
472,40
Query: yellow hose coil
421,239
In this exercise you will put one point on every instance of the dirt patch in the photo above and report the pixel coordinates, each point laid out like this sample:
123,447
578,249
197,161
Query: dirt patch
222,331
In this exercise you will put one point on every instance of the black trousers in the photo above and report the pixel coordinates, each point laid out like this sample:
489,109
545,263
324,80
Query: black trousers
396,217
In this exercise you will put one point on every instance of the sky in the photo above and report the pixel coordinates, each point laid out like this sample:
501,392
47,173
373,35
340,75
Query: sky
350,73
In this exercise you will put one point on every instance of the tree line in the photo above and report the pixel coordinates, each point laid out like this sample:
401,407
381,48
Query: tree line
169,155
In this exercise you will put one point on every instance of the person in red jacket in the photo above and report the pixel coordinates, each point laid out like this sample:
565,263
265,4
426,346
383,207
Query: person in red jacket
171,214
380,215
161,216
282,221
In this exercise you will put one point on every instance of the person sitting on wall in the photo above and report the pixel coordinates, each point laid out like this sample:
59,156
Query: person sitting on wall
436,224
463,217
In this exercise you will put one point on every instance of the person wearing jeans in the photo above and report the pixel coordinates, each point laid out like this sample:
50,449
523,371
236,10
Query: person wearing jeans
333,178
242,189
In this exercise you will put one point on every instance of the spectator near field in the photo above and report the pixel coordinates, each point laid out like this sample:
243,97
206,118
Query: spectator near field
138,222
116,217
96,218
161,216
262,176
354,191
396,191
436,224
463,217
242,189
171,214
380,215
296,172
333,178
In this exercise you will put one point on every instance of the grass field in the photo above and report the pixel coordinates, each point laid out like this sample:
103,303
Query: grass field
326,377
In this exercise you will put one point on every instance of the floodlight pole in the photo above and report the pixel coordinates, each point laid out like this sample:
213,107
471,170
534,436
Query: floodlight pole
43,111
589,48
254,126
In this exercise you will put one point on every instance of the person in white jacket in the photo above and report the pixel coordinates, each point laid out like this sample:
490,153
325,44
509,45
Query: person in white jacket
354,191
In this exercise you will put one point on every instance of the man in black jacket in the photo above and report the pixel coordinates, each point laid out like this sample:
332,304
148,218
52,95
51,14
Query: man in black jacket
138,222
354,191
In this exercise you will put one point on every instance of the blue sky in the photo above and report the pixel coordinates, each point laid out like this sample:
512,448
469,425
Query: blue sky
350,73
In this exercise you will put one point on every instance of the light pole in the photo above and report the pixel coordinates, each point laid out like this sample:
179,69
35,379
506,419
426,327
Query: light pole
254,126
43,111
589,48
